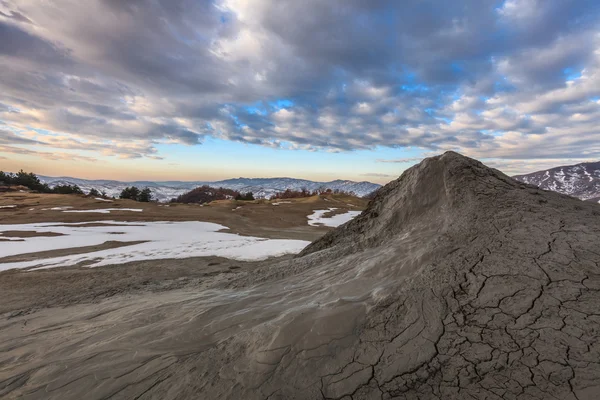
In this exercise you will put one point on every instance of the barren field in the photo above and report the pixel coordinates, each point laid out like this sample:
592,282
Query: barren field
44,215
279,219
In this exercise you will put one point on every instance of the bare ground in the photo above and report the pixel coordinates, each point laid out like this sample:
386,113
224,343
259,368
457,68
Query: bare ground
257,218
23,292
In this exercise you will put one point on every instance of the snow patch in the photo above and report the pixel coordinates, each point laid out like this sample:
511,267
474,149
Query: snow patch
281,202
162,240
105,210
57,208
9,206
317,219
101,199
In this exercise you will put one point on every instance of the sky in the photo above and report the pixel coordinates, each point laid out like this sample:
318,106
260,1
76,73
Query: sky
314,89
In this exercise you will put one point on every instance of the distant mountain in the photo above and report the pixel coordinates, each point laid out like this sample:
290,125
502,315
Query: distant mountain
260,187
581,180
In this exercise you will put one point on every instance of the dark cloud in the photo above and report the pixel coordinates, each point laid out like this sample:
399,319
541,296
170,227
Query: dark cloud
495,78
8,137
19,44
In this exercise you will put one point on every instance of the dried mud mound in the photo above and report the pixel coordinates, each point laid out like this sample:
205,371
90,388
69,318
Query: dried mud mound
456,283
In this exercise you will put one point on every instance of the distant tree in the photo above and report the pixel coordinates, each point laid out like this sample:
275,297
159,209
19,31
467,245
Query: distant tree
205,194
22,178
67,189
29,180
6,178
103,194
94,192
292,194
145,196
344,192
245,196
131,193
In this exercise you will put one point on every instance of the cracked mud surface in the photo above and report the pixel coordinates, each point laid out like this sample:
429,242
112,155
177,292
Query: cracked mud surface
456,283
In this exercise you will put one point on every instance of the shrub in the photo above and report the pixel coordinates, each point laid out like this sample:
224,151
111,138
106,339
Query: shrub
145,196
67,189
245,197
131,193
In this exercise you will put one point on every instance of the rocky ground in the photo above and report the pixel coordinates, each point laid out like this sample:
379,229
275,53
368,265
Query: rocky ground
457,282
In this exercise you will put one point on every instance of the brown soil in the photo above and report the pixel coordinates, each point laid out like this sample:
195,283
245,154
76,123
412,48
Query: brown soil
258,218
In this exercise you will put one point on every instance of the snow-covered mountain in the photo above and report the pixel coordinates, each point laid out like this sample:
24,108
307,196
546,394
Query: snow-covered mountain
581,180
260,187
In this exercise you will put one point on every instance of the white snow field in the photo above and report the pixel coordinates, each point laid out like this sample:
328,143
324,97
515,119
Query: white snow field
162,240
317,218
105,210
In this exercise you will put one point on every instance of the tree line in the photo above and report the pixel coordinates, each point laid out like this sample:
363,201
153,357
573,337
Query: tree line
33,183
27,179
293,194
206,194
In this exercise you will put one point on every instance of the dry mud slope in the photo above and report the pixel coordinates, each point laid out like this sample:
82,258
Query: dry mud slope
456,283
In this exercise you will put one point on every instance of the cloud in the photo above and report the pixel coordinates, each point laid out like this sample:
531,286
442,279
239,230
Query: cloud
413,160
9,137
514,80
377,175
47,155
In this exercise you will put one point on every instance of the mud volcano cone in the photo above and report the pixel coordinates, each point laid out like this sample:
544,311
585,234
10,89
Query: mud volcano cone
457,282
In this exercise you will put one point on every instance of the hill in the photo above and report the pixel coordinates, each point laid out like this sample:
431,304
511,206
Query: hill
456,282
580,180
260,187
